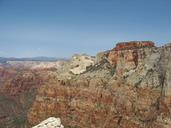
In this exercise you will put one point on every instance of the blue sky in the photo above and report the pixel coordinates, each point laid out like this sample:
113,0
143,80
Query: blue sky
60,28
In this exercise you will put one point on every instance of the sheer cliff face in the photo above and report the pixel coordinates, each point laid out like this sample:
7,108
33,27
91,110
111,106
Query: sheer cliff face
142,64
18,88
127,56
127,87
111,105
132,90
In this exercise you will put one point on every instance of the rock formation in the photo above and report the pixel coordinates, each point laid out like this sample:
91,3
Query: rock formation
126,56
142,65
133,45
51,122
76,66
18,87
80,63
128,86
102,105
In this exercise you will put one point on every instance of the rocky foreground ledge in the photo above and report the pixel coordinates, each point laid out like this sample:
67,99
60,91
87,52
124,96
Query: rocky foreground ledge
51,122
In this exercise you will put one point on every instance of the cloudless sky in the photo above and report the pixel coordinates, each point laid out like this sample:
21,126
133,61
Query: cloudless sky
60,28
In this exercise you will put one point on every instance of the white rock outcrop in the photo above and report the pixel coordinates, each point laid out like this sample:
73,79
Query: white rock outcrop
51,122
79,63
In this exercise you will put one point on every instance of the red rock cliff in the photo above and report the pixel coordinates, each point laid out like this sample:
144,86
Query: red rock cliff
111,102
86,105
133,45
127,55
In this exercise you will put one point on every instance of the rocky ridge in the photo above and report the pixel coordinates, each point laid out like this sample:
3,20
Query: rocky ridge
126,87
143,66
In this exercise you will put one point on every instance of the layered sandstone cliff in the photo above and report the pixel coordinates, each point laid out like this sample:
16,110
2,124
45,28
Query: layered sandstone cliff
127,55
18,88
86,104
142,65
127,87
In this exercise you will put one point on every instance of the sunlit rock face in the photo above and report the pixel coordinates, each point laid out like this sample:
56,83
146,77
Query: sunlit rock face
51,122
127,87
141,63
79,63
18,88
116,104
133,45
127,55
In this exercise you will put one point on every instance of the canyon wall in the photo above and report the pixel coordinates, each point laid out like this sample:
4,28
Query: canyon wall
127,87
18,88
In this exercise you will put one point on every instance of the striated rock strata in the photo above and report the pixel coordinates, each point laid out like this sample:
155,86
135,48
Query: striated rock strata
105,105
127,87
18,88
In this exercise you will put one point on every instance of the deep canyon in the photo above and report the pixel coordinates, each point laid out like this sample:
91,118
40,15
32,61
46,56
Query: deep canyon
128,86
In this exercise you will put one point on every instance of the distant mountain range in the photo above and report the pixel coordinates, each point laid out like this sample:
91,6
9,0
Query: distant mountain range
41,58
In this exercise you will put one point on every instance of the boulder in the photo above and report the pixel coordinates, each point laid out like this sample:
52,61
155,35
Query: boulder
51,122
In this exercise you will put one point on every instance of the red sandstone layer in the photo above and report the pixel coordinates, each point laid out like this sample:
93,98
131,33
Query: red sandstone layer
133,44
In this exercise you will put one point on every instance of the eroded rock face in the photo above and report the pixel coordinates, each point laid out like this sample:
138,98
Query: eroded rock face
128,86
79,63
133,45
101,56
141,63
51,122
5,74
126,56
18,89
23,81
103,105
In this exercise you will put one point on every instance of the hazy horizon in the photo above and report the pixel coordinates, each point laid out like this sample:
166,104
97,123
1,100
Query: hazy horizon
61,28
